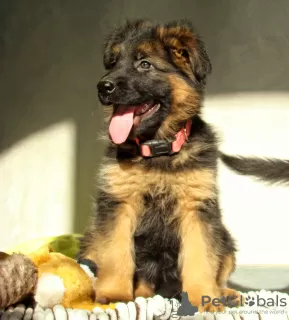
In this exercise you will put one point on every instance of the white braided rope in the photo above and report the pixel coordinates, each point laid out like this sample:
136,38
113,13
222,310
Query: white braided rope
158,308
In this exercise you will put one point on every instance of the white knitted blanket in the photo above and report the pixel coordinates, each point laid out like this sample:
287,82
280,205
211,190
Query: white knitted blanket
260,305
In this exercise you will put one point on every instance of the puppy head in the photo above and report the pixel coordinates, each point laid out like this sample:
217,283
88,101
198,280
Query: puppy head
155,78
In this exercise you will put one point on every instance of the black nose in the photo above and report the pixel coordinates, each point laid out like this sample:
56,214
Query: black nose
106,87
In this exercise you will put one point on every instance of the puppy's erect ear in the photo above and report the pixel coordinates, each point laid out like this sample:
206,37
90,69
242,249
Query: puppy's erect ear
187,50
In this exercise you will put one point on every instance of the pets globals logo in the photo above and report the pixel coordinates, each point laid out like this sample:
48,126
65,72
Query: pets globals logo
254,302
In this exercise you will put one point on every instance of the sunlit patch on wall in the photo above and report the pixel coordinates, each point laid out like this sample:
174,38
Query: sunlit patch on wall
37,185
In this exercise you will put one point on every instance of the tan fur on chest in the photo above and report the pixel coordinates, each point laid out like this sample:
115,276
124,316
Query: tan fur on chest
126,181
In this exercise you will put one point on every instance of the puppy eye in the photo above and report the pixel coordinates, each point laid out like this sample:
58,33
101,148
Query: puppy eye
145,65
111,64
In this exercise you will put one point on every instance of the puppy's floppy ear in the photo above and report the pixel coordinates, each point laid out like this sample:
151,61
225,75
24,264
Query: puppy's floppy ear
188,52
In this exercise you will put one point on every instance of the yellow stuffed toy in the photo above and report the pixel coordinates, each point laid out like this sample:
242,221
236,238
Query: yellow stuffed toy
60,280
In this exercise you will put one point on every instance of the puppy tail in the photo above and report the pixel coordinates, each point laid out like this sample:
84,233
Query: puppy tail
270,170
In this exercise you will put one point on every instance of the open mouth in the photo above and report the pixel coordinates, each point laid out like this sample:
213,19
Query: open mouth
127,117
144,111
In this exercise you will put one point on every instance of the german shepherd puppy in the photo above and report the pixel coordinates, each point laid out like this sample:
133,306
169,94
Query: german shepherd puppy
157,226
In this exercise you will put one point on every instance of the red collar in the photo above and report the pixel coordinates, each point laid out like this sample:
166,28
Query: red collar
154,148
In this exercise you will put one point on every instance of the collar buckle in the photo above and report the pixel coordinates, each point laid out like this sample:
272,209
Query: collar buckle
155,148
158,147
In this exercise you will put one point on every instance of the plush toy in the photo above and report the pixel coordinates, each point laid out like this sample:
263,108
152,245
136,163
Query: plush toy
18,278
51,277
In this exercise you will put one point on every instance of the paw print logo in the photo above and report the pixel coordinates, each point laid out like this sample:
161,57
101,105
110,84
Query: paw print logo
250,301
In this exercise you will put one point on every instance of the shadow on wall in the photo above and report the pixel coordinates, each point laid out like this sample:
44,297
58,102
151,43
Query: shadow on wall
51,61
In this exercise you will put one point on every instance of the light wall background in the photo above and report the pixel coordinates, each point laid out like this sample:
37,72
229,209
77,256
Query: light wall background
49,117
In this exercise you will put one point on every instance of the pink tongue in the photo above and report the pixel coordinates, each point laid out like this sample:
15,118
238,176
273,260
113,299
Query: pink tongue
121,124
